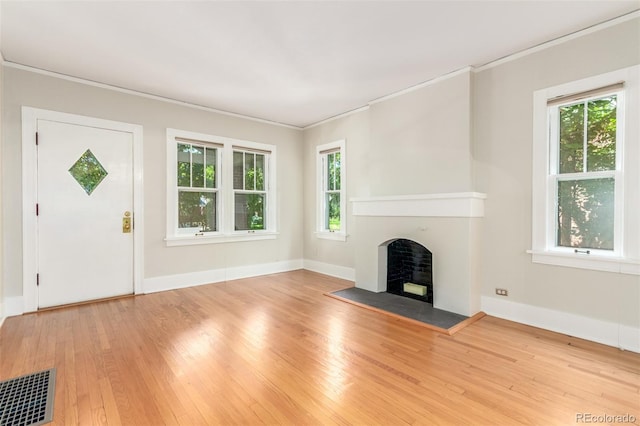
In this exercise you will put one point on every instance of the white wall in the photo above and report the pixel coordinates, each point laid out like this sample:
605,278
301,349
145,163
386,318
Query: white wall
420,141
415,143
502,149
420,144
354,128
474,133
24,88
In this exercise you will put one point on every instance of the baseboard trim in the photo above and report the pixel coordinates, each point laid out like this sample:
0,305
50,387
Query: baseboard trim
605,332
192,279
328,269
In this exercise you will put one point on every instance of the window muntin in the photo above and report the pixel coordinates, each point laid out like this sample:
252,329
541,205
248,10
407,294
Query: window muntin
249,188
584,143
196,188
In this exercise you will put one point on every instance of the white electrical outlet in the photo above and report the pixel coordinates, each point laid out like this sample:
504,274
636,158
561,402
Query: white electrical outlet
502,292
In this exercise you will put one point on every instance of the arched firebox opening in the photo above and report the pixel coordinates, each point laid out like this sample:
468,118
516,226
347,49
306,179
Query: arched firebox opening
409,270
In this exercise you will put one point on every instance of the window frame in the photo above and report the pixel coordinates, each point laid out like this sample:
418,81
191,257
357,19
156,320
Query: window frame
237,191
225,199
322,152
617,174
215,190
625,257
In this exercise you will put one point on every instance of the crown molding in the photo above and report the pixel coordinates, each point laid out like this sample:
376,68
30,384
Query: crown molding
53,74
475,69
337,117
424,84
560,40
418,86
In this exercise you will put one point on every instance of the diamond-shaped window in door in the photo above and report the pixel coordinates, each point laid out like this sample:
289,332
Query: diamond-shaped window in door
88,172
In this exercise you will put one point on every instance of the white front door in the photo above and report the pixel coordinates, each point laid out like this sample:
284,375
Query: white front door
84,191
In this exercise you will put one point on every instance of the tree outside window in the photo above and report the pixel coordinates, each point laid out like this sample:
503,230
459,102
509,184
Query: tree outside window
249,190
197,188
585,179
332,191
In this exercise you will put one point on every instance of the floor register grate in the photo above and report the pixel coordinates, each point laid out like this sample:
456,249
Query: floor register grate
27,400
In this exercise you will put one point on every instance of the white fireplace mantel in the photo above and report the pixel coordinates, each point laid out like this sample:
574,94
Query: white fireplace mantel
457,204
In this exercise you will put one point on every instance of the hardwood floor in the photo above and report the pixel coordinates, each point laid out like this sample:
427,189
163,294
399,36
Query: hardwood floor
274,350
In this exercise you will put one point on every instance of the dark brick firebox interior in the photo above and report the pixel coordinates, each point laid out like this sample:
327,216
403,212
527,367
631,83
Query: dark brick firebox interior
409,262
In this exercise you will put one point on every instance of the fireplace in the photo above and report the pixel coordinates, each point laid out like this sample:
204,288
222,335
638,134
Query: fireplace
409,270
448,225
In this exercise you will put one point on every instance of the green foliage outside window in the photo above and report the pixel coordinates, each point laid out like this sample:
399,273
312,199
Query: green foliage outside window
197,169
333,184
586,203
333,207
255,202
249,177
88,172
196,166
197,210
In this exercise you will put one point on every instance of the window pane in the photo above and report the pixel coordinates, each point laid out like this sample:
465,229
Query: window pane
586,213
249,171
336,168
238,170
260,172
184,164
197,166
331,177
249,212
333,211
571,138
601,133
88,171
210,170
197,210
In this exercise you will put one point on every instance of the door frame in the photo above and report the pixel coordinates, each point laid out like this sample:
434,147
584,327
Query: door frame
30,117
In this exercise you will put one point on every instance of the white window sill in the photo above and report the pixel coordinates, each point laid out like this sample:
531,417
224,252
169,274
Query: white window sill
586,261
189,240
335,236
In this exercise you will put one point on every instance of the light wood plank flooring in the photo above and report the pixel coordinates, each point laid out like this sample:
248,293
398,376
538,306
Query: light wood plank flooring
274,350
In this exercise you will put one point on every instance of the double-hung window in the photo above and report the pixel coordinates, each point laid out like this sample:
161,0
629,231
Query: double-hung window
331,178
196,186
585,180
218,189
250,189
586,169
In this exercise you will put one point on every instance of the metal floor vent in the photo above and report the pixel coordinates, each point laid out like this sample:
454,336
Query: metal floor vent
27,400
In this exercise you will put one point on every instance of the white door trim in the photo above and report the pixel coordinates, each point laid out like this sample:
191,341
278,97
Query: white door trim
30,117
